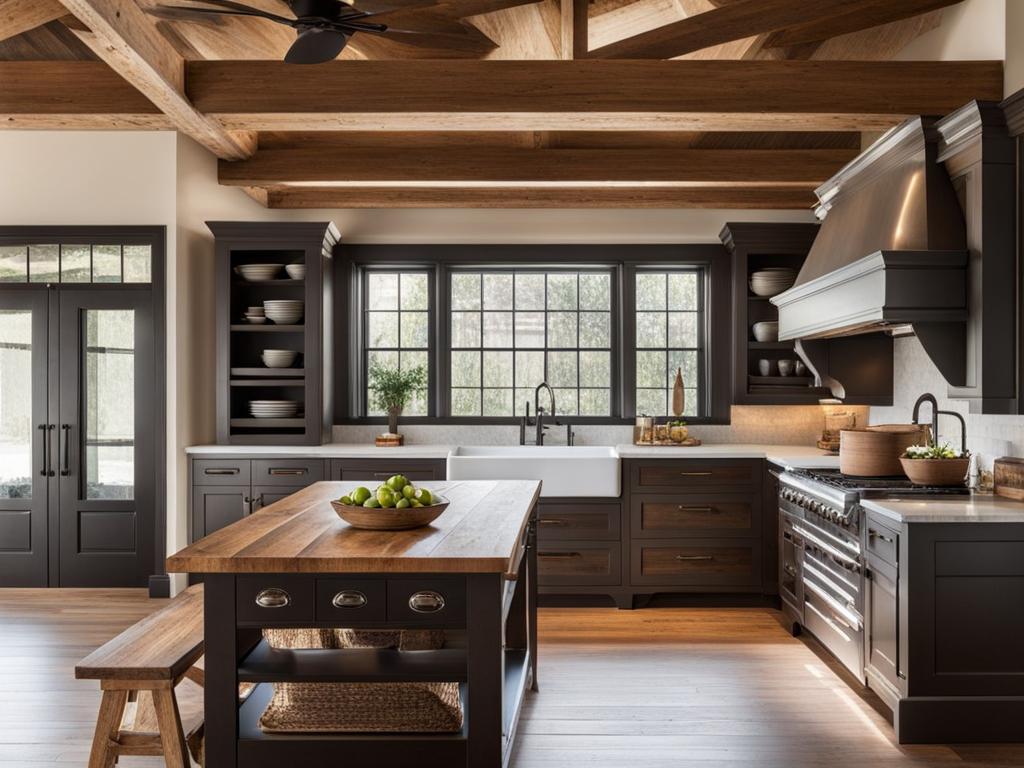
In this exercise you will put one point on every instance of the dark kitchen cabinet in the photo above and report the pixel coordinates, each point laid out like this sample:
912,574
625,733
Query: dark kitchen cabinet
217,506
379,470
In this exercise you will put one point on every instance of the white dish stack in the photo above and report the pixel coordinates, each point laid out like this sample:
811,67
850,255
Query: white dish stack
284,311
772,280
258,272
273,409
296,271
279,358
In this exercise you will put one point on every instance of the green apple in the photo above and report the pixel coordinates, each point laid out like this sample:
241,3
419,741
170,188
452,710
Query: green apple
402,503
360,494
397,482
409,491
371,503
346,500
424,497
385,497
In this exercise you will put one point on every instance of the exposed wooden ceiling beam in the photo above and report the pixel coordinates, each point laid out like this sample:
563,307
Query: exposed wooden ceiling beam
17,16
778,198
73,95
488,165
591,95
126,38
746,18
575,29
853,17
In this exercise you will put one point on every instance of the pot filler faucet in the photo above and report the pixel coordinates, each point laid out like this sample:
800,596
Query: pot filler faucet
539,419
928,397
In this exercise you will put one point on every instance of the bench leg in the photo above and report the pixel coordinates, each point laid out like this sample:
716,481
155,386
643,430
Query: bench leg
108,725
171,735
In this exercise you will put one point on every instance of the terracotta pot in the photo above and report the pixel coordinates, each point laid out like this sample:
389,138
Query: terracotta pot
936,471
875,451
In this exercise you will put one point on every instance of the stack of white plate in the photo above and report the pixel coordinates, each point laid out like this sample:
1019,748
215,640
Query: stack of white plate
296,271
772,281
278,358
284,311
273,409
257,272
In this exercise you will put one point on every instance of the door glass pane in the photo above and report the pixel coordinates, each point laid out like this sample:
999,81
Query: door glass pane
138,264
74,264
106,263
43,262
13,264
109,399
15,404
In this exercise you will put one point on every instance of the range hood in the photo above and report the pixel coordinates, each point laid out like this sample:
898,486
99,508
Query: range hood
891,255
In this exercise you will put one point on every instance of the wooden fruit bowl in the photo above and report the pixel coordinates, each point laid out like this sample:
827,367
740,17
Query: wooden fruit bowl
390,519
936,471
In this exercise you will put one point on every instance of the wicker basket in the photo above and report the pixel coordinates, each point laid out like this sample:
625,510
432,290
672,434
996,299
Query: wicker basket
936,471
876,450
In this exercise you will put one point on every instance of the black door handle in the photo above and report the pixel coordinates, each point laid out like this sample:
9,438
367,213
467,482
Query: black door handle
46,451
66,469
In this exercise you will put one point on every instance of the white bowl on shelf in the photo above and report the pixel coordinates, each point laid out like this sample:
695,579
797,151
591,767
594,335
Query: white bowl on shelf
295,271
766,330
258,272
284,311
772,280
255,319
279,358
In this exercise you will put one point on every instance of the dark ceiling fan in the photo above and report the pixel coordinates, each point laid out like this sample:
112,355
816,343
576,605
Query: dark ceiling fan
324,27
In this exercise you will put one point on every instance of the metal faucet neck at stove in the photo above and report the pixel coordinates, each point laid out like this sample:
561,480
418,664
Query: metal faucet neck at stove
927,397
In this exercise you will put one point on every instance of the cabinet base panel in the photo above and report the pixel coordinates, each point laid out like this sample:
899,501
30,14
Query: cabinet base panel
960,720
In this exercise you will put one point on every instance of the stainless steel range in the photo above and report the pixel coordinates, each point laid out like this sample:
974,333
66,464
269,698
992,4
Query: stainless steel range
821,563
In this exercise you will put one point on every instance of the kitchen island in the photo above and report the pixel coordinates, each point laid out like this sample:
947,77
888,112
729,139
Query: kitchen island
285,566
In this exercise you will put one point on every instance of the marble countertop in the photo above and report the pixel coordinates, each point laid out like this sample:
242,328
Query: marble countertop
967,509
784,455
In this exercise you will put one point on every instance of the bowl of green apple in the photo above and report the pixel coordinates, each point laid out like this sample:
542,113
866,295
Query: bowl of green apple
395,505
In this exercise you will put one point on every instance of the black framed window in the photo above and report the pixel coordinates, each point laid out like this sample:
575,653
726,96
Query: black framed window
512,329
396,328
669,338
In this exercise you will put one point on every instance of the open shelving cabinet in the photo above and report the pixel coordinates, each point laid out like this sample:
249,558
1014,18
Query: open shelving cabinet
241,374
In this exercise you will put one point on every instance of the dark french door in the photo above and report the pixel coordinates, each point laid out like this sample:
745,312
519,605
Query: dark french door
80,419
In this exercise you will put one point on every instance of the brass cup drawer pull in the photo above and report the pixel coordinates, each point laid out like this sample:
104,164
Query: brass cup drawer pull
224,471
701,510
559,555
694,558
273,597
349,598
426,601
289,472
696,474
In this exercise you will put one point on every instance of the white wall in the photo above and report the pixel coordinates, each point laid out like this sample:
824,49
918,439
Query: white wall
971,30
1013,76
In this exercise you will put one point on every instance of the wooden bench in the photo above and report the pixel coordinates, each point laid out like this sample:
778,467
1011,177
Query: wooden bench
145,664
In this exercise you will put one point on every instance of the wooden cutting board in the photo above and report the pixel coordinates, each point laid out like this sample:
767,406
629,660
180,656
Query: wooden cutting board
1008,477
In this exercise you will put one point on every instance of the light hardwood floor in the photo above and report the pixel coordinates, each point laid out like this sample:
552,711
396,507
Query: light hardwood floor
654,688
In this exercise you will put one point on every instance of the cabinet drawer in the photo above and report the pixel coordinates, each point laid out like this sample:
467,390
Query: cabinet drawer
558,522
695,474
698,562
274,599
379,470
979,558
294,472
579,563
220,471
705,515
435,602
351,600
882,541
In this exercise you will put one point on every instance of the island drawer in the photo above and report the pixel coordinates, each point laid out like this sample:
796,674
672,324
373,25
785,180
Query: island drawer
351,600
379,470
882,541
294,472
695,514
590,521
698,562
423,600
274,599
579,563
220,471
695,474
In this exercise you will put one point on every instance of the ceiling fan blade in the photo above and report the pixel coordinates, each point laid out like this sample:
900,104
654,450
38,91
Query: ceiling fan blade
228,8
440,40
387,6
315,46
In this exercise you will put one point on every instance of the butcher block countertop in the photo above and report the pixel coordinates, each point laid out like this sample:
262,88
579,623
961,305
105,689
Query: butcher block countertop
480,532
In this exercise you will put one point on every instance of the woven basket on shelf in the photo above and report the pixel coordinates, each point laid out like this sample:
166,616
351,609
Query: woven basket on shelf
361,707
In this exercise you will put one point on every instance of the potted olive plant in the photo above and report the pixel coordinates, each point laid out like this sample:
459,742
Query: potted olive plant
390,391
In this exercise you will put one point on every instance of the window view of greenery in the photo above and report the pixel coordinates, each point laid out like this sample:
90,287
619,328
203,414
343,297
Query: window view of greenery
15,404
511,330
668,337
397,328
75,263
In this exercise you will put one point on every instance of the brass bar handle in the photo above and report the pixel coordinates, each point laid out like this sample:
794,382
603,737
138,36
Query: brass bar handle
278,471
702,558
703,510
696,474
873,534
349,598
552,521
273,597
384,475
223,471
559,555
426,601
66,469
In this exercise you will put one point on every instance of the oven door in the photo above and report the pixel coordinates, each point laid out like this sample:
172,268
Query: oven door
791,554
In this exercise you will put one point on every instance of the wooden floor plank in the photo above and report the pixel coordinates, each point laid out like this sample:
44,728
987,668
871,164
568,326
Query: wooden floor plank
658,688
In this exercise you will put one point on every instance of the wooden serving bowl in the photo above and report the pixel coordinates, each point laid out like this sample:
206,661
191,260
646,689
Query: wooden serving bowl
936,471
391,519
